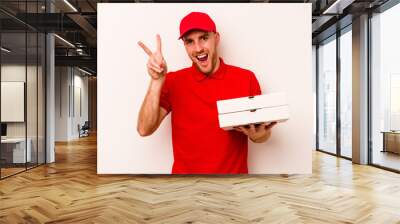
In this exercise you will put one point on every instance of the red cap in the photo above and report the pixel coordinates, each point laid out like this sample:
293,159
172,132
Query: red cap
196,21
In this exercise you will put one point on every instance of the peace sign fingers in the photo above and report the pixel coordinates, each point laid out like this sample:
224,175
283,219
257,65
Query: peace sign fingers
156,65
145,48
159,44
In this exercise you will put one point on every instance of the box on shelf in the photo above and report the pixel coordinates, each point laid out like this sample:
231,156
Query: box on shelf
252,110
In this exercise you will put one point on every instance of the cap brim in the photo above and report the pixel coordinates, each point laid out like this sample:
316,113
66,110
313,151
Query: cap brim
197,28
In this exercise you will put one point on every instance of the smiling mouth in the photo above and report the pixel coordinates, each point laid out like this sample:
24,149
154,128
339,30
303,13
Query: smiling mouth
202,58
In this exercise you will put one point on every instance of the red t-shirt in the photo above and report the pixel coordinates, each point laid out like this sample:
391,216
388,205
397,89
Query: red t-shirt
200,145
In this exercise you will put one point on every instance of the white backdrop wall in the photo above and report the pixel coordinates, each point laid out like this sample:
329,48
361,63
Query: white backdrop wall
272,40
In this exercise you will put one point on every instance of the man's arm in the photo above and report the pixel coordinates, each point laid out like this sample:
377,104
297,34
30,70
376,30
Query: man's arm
258,134
151,114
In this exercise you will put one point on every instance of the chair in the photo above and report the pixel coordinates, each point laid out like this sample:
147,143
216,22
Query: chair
84,130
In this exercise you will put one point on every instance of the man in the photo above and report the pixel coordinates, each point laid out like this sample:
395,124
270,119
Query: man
190,94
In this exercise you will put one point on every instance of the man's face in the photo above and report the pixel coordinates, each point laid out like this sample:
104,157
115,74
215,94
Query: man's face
201,47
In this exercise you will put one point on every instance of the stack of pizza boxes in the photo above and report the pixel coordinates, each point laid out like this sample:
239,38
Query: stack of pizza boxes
253,110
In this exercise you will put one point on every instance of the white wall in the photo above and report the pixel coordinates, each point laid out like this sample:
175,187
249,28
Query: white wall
61,103
33,127
80,84
12,101
273,40
12,73
69,81
17,73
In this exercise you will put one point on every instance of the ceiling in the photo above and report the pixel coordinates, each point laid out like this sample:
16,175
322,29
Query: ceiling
76,22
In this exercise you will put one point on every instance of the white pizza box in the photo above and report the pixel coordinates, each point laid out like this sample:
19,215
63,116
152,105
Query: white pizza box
251,103
252,110
263,115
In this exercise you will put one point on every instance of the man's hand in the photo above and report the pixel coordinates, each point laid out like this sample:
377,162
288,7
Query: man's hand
156,65
257,134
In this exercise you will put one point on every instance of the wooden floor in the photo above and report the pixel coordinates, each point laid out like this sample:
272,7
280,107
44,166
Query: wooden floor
5,172
69,191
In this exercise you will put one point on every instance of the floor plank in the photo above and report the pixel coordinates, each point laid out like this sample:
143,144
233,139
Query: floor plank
70,191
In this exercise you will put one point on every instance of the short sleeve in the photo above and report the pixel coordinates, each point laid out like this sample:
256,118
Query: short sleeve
254,85
165,97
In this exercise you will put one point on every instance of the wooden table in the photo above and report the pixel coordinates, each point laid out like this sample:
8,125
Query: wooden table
391,141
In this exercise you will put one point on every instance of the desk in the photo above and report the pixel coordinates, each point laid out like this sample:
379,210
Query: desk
15,148
391,141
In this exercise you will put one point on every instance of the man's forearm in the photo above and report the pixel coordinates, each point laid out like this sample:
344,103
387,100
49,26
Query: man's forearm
150,111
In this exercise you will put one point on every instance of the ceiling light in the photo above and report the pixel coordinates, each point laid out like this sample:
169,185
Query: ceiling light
84,71
338,6
5,50
70,5
64,40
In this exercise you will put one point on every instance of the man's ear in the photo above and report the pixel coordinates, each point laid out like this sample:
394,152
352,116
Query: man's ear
217,37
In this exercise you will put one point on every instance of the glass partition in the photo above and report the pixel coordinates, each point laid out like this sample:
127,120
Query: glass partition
327,95
13,110
346,93
22,63
385,89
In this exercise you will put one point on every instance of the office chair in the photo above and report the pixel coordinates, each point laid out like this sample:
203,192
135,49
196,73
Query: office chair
84,130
